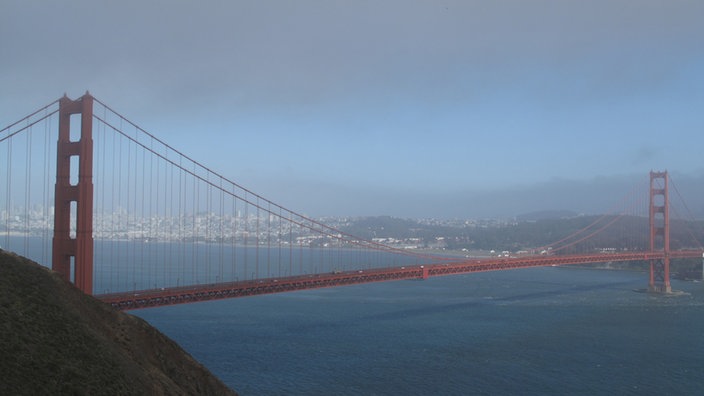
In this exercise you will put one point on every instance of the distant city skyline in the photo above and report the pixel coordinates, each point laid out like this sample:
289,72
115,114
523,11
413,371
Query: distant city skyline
453,109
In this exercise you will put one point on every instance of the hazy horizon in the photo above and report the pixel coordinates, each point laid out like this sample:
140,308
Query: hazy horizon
452,109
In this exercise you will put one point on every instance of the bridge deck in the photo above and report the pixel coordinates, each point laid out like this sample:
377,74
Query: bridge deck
189,294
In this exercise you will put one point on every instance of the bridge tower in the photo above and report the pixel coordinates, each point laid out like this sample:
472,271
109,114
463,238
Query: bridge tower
659,232
73,257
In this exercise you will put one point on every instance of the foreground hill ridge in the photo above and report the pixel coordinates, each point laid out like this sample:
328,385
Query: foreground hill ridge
57,340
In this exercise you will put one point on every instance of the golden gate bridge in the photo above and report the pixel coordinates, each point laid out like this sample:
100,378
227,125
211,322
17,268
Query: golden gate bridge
146,225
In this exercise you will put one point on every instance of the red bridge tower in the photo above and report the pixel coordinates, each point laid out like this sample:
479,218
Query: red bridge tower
659,233
73,257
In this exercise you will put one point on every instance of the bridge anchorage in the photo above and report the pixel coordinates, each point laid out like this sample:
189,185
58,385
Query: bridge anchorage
200,236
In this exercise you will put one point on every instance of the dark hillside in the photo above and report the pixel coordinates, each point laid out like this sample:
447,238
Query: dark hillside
56,340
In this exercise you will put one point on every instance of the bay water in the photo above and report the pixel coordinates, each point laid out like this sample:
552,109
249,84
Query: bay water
540,331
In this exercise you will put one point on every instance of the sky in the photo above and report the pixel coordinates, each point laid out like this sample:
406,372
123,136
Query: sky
409,108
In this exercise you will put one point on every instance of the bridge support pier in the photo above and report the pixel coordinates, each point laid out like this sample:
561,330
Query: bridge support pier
73,257
659,233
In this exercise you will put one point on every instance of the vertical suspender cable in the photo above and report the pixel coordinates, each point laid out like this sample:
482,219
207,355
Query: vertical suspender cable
221,237
181,243
268,242
290,244
280,237
169,215
27,184
300,253
208,197
196,194
246,236
45,191
8,207
100,211
139,268
117,228
128,198
256,252
234,237
145,275
153,209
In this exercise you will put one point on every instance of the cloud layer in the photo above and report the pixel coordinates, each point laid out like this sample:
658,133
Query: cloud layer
393,98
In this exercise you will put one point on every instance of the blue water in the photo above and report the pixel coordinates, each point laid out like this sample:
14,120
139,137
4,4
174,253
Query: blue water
534,331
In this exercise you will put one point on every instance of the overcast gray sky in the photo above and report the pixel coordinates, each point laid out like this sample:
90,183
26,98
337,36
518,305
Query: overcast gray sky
410,108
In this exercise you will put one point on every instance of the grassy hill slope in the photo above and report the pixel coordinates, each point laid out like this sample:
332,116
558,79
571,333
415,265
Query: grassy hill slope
56,340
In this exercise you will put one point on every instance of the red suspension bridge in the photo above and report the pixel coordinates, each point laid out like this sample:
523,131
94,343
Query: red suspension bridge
147,225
